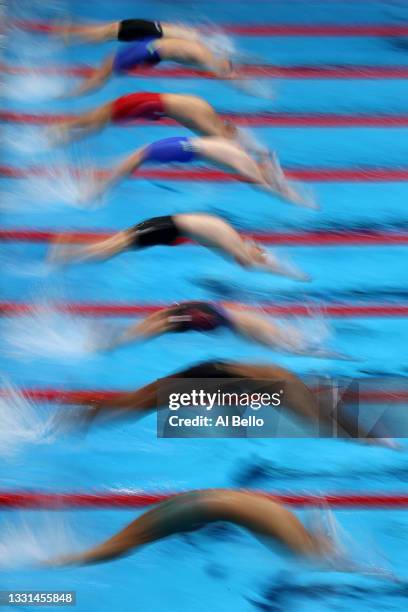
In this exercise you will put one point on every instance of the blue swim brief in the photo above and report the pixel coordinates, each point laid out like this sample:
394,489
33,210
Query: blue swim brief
176,149
135,54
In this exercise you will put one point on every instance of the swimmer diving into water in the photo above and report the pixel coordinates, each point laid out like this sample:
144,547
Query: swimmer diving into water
206,316
127,30
150,52
191,111
207,230
320,407
263,516
265,174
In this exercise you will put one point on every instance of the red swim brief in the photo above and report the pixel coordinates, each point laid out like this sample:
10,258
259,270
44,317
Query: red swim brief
138,105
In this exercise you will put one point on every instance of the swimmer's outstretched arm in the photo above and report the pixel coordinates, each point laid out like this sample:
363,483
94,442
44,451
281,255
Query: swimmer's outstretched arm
98,77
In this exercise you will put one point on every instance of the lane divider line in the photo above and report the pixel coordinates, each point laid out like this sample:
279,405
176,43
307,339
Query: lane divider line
117,499
247,70
291,309
256,29
337,175
242,119
360,237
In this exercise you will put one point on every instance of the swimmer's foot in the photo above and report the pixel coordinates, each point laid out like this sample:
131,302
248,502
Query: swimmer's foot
276,178
284,268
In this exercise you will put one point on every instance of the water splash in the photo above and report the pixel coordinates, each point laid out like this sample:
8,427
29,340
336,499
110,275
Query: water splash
258,88
346,554
26,140
308,335
218,41
250,142
59,184
23,268
50,334
34,86
27,541
22,422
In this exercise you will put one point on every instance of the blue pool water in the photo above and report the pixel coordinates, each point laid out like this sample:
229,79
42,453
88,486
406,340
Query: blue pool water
223,567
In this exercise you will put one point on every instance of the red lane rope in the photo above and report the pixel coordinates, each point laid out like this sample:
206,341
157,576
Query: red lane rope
243,119
298,309
367,174
67,396
318,238
247,70
270,29
117,500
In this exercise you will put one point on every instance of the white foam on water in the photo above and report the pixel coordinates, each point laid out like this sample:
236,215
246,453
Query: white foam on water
266,89
59,184
311,334
34,86
49,334
28,268
247,139
219,42
27,541
26,140
22,422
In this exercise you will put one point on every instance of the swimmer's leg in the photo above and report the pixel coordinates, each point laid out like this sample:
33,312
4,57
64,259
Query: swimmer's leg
265,332
285,337
196,114
90,121
233,157
214,232
103,249
171,30
193,52
297,396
